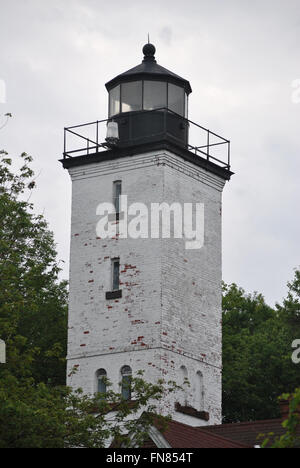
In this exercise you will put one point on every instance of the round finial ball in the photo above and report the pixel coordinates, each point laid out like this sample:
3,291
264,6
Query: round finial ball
149,50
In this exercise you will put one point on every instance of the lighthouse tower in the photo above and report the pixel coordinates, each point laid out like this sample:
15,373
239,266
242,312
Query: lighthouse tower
147,299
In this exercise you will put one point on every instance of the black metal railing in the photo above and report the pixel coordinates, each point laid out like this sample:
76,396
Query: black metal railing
90,138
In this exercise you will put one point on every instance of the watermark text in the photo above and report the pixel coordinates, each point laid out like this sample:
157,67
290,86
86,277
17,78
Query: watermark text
296,353
159,220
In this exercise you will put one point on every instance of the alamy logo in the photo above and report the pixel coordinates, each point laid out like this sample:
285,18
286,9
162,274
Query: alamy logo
161,220
2,352
296,93
296,353
2,92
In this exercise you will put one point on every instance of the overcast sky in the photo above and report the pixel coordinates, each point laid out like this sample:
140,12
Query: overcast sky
241,58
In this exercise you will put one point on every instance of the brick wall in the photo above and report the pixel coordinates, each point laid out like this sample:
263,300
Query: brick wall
169,315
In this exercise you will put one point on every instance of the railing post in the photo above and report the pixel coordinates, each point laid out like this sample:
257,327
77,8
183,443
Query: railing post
208,143
97,135
65,143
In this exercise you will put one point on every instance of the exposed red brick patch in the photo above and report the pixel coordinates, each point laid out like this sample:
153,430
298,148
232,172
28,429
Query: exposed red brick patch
165,333
86,333
76,235
91,281
157,323
82,345
140,338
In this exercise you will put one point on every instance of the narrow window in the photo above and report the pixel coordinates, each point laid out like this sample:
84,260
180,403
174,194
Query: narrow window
184,384
126,374
199,391
115,274
101,381
117,191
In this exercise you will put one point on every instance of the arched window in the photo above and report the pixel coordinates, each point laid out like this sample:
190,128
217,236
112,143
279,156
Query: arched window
199,391
183,382
126,374
101,380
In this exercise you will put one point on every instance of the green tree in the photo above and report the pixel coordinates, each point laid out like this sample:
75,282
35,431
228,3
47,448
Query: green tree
291,438
36,409
33,303
256,355
40,416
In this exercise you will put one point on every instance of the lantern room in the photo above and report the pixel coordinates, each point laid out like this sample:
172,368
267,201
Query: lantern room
149,87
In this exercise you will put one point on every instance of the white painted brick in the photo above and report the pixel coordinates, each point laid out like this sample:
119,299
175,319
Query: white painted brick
170,312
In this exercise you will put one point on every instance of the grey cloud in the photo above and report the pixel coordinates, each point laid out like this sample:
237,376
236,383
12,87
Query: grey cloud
241,58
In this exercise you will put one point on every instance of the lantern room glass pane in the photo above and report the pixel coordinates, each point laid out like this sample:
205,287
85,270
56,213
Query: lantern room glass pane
176,99
155,95
131,96
114,101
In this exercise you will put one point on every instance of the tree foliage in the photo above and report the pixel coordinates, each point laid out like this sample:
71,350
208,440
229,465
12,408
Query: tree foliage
37,410
257,351
39,416
257,343
33,303
291,437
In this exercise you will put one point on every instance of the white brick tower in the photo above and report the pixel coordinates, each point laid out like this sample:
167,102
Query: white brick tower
147,303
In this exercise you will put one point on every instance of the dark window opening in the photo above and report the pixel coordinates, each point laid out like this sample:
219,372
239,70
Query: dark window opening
101,381
117,192
126,374
115,274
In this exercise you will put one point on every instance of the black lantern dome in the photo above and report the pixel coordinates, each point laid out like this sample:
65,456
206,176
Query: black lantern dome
148,86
